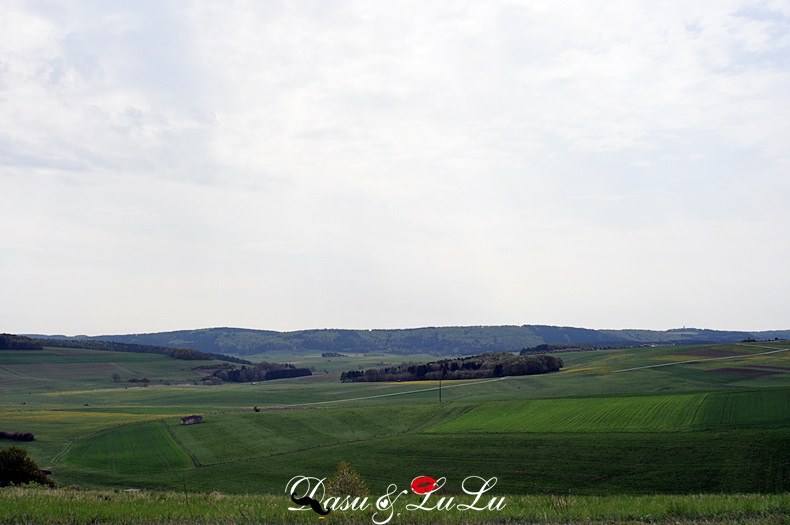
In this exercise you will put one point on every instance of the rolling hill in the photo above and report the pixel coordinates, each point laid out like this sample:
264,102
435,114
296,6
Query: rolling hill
668,420
434,340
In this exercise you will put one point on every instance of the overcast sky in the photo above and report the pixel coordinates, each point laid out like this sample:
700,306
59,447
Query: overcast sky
315,164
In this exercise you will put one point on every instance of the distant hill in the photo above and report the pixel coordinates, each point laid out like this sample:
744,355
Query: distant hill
188,354
462,340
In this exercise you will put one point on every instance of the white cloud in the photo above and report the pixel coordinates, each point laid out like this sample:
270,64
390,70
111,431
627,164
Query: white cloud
287,165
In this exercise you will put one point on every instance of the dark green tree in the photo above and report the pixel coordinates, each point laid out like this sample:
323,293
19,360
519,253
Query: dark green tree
17,468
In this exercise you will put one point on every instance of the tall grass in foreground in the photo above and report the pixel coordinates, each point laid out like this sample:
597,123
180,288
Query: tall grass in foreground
77,507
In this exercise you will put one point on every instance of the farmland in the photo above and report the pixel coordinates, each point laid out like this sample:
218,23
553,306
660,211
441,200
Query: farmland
627,414
670,420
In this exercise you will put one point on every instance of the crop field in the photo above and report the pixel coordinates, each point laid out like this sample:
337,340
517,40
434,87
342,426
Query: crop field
627,414
519,444
144,448
524,463
237,436
53,369
56,428
668,420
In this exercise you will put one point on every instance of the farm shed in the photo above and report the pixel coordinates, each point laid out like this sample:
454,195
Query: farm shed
191,420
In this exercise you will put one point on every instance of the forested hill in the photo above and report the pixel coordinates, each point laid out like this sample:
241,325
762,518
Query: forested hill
188,354
438,341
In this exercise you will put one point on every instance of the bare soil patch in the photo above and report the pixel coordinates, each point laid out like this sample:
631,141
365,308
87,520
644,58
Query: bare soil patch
747,373
773,368
711,352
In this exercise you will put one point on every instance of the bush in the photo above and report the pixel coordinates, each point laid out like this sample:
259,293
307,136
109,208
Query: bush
346,481
16,468
18,436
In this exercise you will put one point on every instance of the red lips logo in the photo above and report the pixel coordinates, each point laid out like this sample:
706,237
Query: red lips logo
423,485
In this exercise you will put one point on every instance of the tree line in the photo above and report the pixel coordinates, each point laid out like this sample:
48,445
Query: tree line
17,436
262,371
547,349
112,346
18,342
495,364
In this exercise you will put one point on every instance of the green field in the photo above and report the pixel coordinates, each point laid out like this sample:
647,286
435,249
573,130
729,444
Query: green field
671,420
656,413
33,506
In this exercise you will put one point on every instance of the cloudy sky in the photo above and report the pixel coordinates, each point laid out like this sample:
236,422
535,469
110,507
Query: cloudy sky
311,164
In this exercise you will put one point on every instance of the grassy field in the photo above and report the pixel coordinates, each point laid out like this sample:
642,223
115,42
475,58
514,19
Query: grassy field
35,371
658,413
671,420
34,506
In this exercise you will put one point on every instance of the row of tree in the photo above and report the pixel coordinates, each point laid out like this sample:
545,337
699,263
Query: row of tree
18,342
495,364
17,436
112,346
262,371
546,349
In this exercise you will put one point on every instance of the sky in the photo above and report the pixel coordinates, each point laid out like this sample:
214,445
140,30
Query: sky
339,164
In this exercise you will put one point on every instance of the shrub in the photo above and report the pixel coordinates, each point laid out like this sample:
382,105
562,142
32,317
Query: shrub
346,481
16,468
18,436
